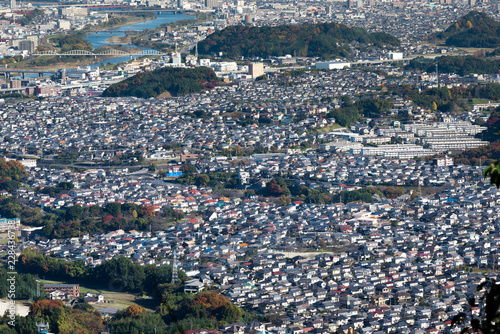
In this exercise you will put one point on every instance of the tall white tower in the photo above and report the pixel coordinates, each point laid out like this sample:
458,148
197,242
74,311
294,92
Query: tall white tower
12,4
175,275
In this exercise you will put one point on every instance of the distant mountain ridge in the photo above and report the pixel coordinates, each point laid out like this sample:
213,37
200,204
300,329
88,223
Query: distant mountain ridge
476,29
325,40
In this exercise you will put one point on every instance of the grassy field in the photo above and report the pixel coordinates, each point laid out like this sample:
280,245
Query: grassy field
329,128
482,101
120,300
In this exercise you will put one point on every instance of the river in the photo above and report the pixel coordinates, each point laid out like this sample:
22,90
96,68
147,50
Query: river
100,39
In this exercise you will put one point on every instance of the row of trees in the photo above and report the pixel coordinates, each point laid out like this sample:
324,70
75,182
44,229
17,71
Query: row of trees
72,221
352,112
214,180
444,99
29,16
462,65
176,311
61,319
73,41
25,285
287,191
179,312
117,274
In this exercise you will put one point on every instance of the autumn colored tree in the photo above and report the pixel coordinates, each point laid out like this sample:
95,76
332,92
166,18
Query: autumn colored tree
148,210
12,170
40,307
188,169
134,311
214,305
277,187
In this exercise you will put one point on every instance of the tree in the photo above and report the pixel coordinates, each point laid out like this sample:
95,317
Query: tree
322,243
188,169
202,180
153,167
74,212
148,210
434,105
134,311
285,200
114,209
489,320
493,172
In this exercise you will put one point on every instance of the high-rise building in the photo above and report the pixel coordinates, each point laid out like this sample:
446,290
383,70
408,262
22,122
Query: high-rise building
212,3
12,4
27,45
472,3
256,70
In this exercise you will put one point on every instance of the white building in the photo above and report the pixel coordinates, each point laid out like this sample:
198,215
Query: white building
176,59
224,66
204,62
64,25
31,163
332,65
395,55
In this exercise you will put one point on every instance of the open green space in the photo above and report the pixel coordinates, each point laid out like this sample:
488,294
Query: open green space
120,300
329,128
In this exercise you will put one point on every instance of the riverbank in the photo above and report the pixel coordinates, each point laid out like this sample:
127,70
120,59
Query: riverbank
100,39
55,62
129,21
119,40
58,64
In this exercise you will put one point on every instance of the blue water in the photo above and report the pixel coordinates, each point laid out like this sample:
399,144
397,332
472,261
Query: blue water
99,39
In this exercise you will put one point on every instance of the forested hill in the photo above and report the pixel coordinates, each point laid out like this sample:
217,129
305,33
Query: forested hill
476,29
176,81
325,40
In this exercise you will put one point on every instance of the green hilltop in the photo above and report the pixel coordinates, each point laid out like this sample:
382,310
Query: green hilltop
175,81
325,40
476,29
